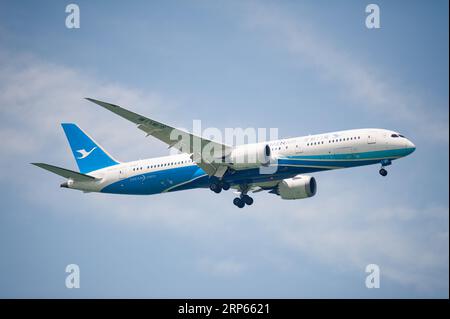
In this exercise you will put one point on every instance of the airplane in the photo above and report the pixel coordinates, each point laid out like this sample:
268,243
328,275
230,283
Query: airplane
292,159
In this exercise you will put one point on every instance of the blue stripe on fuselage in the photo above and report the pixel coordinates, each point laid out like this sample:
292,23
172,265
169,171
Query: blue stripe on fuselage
188,177
157,181
394,153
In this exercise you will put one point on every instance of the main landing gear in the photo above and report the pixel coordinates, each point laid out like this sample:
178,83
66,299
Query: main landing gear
218,185
243,199
383,172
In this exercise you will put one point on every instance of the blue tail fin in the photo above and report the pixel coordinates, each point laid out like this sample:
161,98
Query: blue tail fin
89,155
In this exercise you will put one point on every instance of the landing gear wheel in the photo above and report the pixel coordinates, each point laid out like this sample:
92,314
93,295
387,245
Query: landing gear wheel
215,187
225,186
247,200
383,172
238,202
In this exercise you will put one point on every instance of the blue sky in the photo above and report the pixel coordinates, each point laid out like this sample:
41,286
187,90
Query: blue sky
303,67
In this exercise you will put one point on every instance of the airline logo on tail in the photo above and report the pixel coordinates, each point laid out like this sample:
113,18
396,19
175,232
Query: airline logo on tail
85,154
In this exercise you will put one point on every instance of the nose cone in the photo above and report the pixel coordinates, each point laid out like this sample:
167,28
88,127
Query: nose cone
410,147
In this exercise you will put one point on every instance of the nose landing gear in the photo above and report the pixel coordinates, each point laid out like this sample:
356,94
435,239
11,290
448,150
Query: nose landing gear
383,172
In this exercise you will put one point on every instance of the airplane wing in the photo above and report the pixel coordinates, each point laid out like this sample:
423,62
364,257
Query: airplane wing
176,138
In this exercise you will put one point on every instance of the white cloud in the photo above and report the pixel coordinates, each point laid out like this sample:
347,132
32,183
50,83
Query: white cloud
368,86
222,267
36,96
408,243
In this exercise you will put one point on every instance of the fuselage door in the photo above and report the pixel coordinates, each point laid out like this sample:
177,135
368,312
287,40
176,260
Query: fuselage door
371,138
123,172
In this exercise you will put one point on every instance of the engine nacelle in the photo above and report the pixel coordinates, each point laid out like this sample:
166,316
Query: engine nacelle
298,187
249,156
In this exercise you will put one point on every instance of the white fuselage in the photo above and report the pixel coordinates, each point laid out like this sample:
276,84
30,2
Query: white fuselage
296,155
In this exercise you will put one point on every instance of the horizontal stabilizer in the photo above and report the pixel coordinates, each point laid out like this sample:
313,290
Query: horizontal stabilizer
67,173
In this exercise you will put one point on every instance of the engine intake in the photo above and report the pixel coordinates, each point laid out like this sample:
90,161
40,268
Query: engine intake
298,187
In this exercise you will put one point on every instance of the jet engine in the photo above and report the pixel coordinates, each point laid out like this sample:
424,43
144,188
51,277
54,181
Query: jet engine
249,156
298,187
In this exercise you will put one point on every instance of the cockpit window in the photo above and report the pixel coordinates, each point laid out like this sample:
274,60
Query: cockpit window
401,135
394,135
